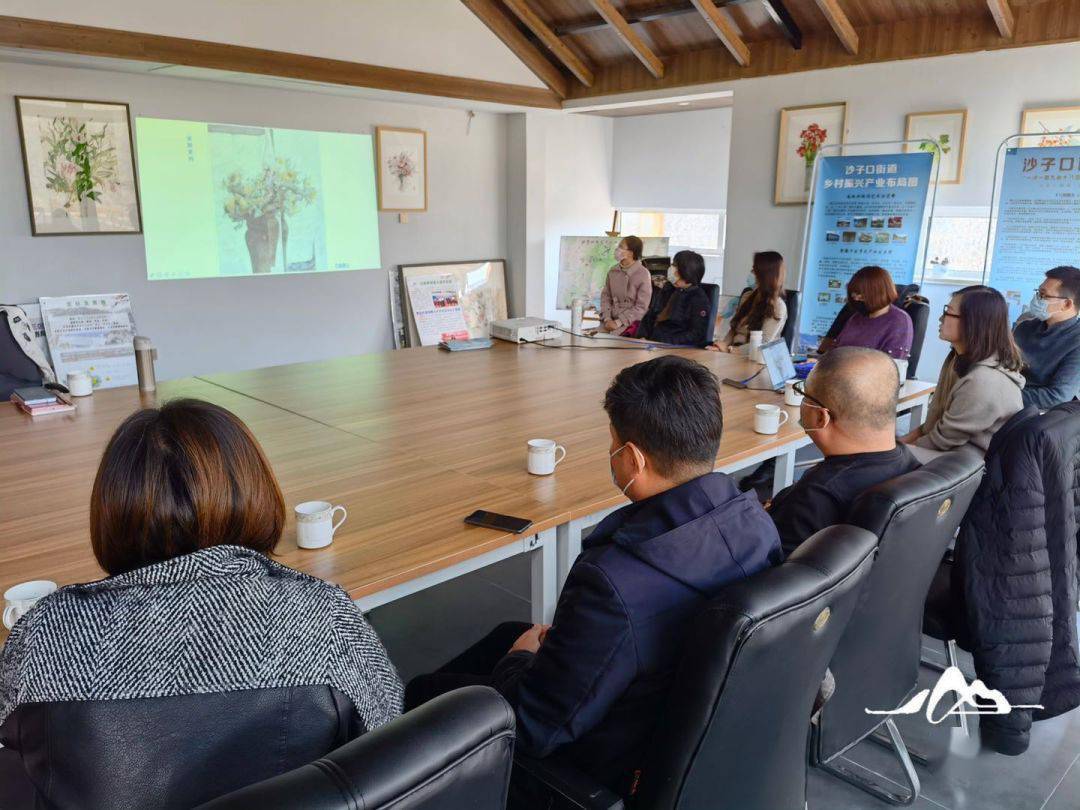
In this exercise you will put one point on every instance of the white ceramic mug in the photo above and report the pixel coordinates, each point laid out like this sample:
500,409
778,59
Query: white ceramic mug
79,384
20,598
314,523
542,456
769,418
791,396
901,368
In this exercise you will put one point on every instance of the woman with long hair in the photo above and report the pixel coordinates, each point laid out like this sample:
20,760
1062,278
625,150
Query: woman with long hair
980,384
877,322
679,313
761,308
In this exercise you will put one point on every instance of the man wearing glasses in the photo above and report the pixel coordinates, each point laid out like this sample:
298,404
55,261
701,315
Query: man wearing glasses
1050,340
849,411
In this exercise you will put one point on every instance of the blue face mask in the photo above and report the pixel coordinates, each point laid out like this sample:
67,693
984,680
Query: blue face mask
1038,308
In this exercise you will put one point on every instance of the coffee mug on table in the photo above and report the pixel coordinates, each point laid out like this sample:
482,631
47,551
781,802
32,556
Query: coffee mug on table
314,523
80,384
20,598
791,396
542,456
769,418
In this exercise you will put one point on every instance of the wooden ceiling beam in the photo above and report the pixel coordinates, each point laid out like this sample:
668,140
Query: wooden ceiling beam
552,42
724,29
491,14
629,37
1003,17
840,23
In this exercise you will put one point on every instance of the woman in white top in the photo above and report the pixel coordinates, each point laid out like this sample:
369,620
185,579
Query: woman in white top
761,308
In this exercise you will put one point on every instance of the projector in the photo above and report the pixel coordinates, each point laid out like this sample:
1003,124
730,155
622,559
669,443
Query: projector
524,330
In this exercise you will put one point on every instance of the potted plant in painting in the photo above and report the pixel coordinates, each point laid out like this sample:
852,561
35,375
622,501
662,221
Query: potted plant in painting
810,141
80,165
262,204
942,142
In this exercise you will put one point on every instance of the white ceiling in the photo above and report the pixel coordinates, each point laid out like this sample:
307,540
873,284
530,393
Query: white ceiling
433,36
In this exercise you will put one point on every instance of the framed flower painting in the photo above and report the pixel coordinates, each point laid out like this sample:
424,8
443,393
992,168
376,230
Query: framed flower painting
803,133
80,172
401,159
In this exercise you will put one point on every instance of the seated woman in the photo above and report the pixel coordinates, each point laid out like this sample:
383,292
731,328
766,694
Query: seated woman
761,308
627,290
877,322
199,665
980,383
679,313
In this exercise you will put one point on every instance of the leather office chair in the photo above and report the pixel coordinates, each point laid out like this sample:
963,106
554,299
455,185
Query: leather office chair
452,753
903,293
713,291
876,666
733,734
919,312
791,326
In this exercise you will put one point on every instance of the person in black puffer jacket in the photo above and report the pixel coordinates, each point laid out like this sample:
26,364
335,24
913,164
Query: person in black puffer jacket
680,311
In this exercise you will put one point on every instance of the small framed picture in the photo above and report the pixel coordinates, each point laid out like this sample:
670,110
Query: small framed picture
946,134
1053,126
80,172
803,132
401,158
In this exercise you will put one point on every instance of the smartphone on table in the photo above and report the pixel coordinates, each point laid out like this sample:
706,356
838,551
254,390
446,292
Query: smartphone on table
493,520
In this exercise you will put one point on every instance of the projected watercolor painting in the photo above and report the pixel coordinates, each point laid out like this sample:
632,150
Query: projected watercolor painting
226,200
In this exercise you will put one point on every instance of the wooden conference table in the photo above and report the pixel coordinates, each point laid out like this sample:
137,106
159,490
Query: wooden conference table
410,442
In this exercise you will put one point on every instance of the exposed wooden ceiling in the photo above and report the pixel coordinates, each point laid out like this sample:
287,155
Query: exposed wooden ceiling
614,46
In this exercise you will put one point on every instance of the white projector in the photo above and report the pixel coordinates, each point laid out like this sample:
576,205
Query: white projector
524,330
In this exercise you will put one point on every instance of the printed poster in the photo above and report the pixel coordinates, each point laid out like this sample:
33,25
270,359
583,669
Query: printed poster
92,333
1038,220
867,210
436,307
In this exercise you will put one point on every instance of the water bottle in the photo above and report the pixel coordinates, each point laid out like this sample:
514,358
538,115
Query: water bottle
755,346
145,355
577,315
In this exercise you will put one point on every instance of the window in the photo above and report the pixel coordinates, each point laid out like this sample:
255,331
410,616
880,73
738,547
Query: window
700,231
957,246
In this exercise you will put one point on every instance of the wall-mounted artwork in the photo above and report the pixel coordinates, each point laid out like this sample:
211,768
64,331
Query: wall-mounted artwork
1054,126
803,133
80,176
401,157
948,128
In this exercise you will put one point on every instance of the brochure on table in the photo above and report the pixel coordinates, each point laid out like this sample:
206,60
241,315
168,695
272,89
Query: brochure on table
1038,220
92,333
866,209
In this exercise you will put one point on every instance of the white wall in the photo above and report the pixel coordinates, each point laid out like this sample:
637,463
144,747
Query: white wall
671,161
202,326
435,36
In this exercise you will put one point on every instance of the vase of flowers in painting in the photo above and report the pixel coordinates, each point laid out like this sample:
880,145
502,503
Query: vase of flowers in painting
810,141
262,240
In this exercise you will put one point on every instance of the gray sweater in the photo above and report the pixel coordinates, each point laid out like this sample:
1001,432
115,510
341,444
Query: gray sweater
970,409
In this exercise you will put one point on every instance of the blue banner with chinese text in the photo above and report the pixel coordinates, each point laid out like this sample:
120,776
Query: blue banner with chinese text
868,209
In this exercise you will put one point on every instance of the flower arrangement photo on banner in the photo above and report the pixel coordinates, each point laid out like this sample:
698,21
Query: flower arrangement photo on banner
401,161
80,175
803,133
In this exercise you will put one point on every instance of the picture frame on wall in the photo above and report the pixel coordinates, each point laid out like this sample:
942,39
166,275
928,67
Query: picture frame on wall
1046,121
78,160
948,128
401,162
804,131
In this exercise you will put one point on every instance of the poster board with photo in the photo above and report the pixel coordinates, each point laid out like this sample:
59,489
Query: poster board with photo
584,262
452,300
948,130
401,162
92,333
79,167
804,132
1053,126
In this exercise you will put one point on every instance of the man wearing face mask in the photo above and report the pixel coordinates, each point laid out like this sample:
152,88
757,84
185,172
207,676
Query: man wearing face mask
849,410
679,312
1050,340
591,685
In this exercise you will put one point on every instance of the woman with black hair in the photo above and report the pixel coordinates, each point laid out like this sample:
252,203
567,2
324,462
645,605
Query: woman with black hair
980,385
679,313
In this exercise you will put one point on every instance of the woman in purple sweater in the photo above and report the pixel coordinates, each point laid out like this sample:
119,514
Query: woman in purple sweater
877,323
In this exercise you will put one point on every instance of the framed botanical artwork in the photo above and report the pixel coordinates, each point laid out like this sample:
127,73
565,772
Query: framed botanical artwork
401,159
949,129
1053,126
80,175
803,132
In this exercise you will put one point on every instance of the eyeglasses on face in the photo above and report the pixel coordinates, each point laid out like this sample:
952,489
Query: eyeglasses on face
1044,297
800,389
946,314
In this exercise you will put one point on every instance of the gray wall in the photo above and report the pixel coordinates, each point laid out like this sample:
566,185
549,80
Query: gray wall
202,326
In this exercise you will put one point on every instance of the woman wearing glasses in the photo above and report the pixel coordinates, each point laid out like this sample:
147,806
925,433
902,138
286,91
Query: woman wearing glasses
980,385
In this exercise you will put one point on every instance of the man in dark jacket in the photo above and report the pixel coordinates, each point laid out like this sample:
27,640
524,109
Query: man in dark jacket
591,686
1050,340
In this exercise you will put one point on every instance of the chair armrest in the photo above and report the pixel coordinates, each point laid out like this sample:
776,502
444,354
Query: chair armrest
575,788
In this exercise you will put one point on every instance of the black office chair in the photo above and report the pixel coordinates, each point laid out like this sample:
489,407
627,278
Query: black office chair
876,665
733,735
452,753
713,291
919,312
791,326
903,293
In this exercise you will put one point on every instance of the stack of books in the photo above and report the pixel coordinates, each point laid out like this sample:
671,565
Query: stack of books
36,401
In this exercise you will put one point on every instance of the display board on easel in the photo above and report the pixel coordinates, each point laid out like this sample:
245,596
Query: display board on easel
869,205
452,300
